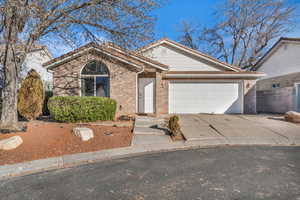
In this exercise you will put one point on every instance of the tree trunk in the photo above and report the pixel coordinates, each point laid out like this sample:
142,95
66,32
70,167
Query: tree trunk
9,115
11,65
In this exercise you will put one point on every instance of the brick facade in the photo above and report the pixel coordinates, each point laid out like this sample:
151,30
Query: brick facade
250,97
122,81
162,94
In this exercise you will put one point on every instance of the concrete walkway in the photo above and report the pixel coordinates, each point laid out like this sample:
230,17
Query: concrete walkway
149,131
239,129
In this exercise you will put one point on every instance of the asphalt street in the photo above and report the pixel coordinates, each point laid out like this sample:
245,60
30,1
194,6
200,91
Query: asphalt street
233,173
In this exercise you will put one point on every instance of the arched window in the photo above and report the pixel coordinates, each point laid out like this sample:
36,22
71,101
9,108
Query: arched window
95,79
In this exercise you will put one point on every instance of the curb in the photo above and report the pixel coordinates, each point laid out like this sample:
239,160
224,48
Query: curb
35,166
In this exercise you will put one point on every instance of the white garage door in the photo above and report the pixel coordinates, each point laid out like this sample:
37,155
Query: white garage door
217,98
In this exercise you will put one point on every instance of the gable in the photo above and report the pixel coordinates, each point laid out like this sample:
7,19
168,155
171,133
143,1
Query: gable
284,60
178,60
183,58
108,50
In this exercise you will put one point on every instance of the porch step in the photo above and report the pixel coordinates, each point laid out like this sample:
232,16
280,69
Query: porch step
148,131
148,124
149,119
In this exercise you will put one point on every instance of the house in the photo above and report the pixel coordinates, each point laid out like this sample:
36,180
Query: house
34,60
278,92
163,77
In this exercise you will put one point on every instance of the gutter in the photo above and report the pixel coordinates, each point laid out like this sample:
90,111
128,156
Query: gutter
214,75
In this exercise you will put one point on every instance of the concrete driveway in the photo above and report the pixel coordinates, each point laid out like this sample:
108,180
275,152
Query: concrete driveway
239,129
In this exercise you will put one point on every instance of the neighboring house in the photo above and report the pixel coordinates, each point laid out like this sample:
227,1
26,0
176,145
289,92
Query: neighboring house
34,60
279,91
164,77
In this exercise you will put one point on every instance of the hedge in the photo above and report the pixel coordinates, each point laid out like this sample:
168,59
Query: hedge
81,109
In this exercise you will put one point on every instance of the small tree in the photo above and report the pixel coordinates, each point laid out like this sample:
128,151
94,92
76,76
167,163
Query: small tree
31,96
174,127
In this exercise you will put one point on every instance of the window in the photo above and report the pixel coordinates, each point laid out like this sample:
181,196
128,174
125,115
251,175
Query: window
95,80
276,85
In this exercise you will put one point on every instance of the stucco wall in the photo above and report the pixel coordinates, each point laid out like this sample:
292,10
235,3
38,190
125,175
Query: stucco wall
122,81
285,60
279,100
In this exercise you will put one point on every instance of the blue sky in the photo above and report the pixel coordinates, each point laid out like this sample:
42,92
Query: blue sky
200,12
173,12
170,15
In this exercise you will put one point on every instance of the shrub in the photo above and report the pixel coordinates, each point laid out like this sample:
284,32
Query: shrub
81,109
31,96
48,95
174,126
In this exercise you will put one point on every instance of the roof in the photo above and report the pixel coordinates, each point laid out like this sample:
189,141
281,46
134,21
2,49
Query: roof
110,50
273,49
189,51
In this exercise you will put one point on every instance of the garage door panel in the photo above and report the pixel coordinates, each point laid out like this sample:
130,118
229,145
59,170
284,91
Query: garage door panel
215,98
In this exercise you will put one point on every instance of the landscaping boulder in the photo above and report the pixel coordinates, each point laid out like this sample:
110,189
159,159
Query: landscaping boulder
292,116
84,133
10,143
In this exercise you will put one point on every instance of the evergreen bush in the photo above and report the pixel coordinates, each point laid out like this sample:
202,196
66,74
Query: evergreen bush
31,96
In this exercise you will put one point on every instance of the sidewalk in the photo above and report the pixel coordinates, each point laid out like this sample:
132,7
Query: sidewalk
143,143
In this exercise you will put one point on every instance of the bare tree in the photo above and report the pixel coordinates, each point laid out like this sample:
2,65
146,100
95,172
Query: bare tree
189,35
244,29
26,22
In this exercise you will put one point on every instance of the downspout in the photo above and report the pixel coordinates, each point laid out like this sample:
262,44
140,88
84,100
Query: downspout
137,89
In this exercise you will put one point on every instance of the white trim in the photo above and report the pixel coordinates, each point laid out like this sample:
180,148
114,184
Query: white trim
153,80
240,82
94,76
214,75
88,49
190,52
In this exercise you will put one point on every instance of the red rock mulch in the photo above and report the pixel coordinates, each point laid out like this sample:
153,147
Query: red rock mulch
46,139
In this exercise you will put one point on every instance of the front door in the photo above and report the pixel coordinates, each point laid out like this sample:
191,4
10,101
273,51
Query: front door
146,95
